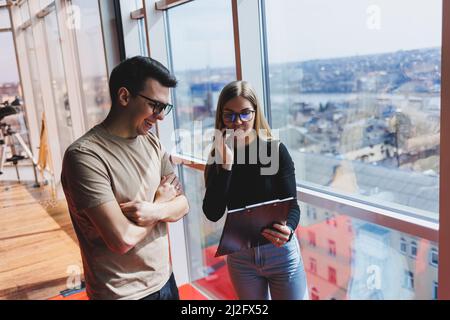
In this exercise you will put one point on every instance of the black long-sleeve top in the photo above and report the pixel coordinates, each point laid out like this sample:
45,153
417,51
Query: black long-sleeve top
245,185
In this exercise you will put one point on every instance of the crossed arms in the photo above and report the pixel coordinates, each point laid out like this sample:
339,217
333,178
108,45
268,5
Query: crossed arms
123,226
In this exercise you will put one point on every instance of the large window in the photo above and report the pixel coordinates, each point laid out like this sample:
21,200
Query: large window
34,74
201,37
93,70
58,78
10,89
133,23
4,18
355,94
353,90
434,257
9,77
369,260
202,56
368,263
206,271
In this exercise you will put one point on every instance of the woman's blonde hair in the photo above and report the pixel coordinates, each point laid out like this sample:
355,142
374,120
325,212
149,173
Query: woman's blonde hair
245,90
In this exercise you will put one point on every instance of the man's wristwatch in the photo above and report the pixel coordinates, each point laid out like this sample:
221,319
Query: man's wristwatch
291,235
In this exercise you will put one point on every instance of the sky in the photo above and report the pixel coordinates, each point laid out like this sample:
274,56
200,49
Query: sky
8,65
202,34
301,30
88,37
298,30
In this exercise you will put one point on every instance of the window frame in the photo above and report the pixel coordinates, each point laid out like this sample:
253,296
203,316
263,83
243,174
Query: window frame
332,248
435,290
332,275
312,241
248,23
408,282
313,265
386,217
413,249
434,251
404,243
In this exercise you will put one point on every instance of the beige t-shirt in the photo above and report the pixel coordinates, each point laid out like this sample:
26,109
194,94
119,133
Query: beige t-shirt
98,168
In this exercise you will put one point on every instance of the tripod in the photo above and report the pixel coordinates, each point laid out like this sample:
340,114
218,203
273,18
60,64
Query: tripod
7,136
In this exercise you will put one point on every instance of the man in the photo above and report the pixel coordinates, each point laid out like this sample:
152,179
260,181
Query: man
121,190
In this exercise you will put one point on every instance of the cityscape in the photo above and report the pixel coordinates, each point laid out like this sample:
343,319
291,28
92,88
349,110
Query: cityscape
366,126
376,114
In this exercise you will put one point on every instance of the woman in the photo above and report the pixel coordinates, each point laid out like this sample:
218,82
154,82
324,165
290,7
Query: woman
231,184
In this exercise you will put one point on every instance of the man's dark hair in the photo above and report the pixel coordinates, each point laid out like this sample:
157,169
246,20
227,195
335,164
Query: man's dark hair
132,74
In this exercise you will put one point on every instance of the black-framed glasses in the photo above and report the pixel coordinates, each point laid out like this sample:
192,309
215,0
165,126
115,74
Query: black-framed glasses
158,106
245,116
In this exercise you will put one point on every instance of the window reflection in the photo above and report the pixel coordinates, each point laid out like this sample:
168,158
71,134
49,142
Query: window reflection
363,262
4,18
10,89
93,70
203,236
34,74
358,103
58,78
201,36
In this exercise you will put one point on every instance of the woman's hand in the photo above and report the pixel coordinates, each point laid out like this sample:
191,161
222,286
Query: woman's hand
169,188
278,237
142,213
225,152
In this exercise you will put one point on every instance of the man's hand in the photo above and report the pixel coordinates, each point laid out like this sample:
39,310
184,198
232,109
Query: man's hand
142,213
169,188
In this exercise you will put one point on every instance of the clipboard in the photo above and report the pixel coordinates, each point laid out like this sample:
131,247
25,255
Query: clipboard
243,226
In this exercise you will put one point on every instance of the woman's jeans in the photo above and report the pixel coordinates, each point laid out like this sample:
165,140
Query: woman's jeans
254,271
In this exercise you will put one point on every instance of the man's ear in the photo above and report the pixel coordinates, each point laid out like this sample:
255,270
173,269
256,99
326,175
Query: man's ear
123,97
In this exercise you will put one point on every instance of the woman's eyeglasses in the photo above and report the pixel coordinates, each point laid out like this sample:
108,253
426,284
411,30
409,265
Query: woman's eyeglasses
245,116
158,106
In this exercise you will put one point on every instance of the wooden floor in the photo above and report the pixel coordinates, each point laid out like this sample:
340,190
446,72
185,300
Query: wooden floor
38,247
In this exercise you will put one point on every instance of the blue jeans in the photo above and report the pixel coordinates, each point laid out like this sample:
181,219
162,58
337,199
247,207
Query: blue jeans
168,292
255,271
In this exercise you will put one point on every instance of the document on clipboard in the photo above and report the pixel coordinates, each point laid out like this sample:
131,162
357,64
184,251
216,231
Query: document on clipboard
242,229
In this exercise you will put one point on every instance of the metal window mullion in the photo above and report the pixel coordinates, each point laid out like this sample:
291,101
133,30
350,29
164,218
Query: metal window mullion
248,15
237,42
389,219
25,81
137,14
71,70
130,29
46,11
111,40
49,106
444,187
265,61
169,4
398,221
